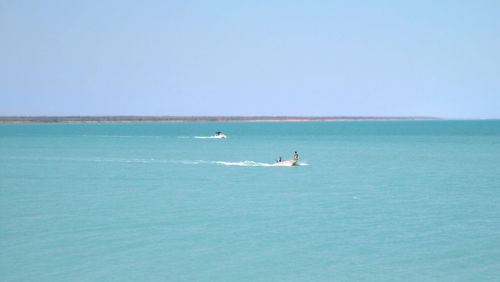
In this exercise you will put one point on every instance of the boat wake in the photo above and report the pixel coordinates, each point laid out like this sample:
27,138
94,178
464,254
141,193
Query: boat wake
245,163
209,137
252,163
164,161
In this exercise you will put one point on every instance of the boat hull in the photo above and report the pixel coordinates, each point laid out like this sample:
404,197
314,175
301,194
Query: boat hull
291,162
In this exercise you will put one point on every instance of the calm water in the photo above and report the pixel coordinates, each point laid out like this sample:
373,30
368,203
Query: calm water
397,201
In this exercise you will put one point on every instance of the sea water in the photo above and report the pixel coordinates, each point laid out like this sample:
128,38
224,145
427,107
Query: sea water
369,201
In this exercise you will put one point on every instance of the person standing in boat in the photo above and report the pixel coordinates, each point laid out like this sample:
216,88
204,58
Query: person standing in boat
296,156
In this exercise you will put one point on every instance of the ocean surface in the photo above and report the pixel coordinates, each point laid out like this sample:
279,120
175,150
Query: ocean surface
369,201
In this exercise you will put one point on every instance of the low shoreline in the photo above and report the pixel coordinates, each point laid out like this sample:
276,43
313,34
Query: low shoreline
109,119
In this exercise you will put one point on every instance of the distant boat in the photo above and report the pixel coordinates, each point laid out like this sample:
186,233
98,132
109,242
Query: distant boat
219,134
290,162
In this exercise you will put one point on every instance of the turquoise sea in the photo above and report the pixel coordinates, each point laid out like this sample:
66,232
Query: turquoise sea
369,201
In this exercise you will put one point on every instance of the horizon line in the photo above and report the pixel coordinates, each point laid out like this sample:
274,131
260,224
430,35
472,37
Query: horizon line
206,118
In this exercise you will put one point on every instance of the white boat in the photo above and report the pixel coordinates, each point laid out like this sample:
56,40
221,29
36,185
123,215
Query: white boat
291,162
219,136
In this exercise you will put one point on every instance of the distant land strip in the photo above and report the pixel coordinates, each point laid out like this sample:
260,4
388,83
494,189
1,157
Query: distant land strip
89,119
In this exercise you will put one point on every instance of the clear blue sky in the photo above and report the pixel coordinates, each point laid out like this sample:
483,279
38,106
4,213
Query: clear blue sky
309,58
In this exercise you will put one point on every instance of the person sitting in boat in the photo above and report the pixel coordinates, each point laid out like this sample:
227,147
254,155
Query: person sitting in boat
296,156
217,133
278,161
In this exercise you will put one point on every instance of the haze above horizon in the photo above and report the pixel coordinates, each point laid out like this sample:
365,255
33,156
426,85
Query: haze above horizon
225,58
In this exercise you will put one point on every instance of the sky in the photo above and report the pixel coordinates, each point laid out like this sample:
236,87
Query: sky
300,58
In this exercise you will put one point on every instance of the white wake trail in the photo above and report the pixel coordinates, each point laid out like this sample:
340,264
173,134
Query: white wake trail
166,161
251,163
209,137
